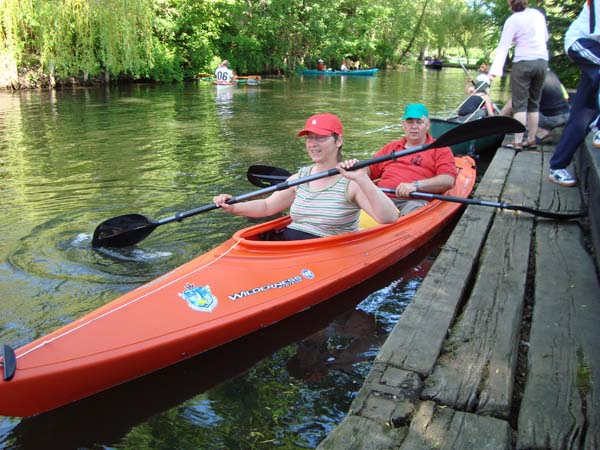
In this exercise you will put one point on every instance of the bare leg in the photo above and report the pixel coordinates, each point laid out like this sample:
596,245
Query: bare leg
507,108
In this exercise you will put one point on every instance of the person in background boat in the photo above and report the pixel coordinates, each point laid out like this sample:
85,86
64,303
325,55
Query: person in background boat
582,44
482,75
526,29
321,65
223,73
344,67
432,170
323,207
554,107
478,104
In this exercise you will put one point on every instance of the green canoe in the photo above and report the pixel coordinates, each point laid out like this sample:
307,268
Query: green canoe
474,147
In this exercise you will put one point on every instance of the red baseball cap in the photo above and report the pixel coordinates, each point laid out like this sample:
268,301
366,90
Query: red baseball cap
323,124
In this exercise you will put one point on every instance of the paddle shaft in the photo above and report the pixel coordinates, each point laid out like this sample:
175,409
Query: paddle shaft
130,229
467,73
478,202
284,174
288,184
464,132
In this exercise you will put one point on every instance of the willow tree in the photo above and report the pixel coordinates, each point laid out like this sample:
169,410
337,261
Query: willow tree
14,16
122,35
76,37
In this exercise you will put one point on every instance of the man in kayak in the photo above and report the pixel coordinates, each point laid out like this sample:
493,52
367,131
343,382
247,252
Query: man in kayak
432,170
326,206
223,73
478,104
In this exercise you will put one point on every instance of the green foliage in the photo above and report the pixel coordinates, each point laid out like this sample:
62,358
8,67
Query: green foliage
167,64
171,40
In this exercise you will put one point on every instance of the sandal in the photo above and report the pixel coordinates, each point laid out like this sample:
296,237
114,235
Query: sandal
531,145
514,146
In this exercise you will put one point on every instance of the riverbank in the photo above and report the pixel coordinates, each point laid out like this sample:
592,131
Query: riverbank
499,348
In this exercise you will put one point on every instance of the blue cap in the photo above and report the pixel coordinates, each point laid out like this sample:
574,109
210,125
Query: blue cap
415,111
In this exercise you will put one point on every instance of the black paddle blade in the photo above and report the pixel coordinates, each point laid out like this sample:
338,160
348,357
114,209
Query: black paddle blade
122,231
9,362
487,126
265,176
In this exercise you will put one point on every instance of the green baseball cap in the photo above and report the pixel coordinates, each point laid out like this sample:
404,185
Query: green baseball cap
415,111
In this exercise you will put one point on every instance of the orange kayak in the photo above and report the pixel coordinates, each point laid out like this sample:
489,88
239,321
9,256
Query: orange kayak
236,288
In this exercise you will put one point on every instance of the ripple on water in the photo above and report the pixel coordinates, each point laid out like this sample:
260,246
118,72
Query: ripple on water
57,249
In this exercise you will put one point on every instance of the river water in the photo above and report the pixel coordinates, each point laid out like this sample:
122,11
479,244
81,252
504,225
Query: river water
70,159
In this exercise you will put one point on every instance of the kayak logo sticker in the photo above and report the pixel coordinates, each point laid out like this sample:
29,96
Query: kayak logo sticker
199,298
304,274
307,274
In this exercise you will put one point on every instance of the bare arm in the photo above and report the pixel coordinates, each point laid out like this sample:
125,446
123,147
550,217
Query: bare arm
489,106
273,204
367,195
436,185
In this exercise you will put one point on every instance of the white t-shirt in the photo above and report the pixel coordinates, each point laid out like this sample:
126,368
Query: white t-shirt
483,77
224,73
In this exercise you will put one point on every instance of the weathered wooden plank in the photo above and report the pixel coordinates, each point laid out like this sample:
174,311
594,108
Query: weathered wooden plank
476,371
415,342
360,433
388,395
560,409
439,428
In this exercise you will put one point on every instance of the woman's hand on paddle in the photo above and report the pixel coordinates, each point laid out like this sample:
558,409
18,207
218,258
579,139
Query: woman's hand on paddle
354,175
221,201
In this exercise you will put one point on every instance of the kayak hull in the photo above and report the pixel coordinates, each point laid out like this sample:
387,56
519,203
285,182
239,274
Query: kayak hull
240,286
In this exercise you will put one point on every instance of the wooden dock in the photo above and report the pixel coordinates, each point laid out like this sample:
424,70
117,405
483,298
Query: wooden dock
500,347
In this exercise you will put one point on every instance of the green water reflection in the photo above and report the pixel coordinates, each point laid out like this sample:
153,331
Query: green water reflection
70,159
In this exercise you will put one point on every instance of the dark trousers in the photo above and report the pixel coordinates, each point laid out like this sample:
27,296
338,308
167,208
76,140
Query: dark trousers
585,108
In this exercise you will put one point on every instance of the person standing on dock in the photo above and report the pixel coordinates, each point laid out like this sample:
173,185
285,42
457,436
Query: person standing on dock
432,170
526,29
582,44
554,108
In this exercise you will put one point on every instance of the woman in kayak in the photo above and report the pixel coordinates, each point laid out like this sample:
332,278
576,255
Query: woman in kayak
323,207
478,104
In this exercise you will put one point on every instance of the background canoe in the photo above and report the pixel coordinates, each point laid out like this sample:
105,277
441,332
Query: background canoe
253,80
434,64
476,146
372,71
